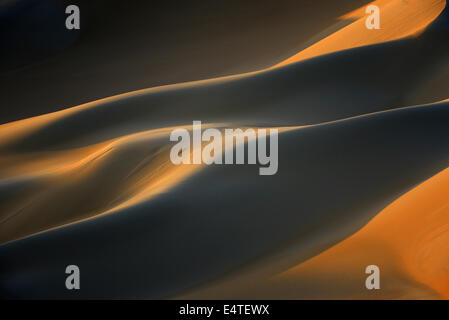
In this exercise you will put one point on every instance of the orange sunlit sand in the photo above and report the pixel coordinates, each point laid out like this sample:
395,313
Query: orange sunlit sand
399,19
408,240
362,178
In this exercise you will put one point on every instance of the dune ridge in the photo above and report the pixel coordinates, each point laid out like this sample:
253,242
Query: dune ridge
293,237
407,240
346,135
399,19
259,89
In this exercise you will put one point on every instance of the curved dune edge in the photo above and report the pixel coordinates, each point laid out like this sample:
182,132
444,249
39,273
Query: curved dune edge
128,170
282,230
53,173
398,19
408,241
68,186
108,176
407,17
409,238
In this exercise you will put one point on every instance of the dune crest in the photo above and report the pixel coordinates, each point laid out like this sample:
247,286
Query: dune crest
408,240
141,168
399,19
357,132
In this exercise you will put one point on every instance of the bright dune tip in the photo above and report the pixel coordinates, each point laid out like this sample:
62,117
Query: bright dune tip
398,19
408,240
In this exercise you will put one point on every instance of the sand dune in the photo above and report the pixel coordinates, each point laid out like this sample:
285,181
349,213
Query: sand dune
50,151
408,240
399,19
298,95
86,182
93,184
177,255
123,47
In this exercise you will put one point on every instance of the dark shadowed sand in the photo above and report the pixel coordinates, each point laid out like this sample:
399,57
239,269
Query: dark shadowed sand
360,127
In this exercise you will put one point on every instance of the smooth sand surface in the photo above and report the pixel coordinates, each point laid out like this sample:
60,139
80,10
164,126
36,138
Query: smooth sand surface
164,245
122,47
408,241
398,19
93,185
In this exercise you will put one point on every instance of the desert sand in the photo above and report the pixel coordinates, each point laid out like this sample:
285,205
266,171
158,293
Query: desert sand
407,240
363,137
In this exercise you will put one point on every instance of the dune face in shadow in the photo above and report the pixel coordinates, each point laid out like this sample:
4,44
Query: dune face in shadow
122,47
168,240
60,153
299,94
93,185
399,19
408,240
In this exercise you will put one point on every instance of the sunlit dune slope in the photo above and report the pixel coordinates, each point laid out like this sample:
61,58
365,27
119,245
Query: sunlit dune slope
398,19
146,44
94,183
408,240
161,246
74,185
355,82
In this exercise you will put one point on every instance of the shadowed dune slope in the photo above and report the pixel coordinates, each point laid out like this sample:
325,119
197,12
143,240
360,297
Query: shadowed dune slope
228,218
353,82
123,47
408,241
410,238
70,186
63,152
398,19
326,88
94,185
